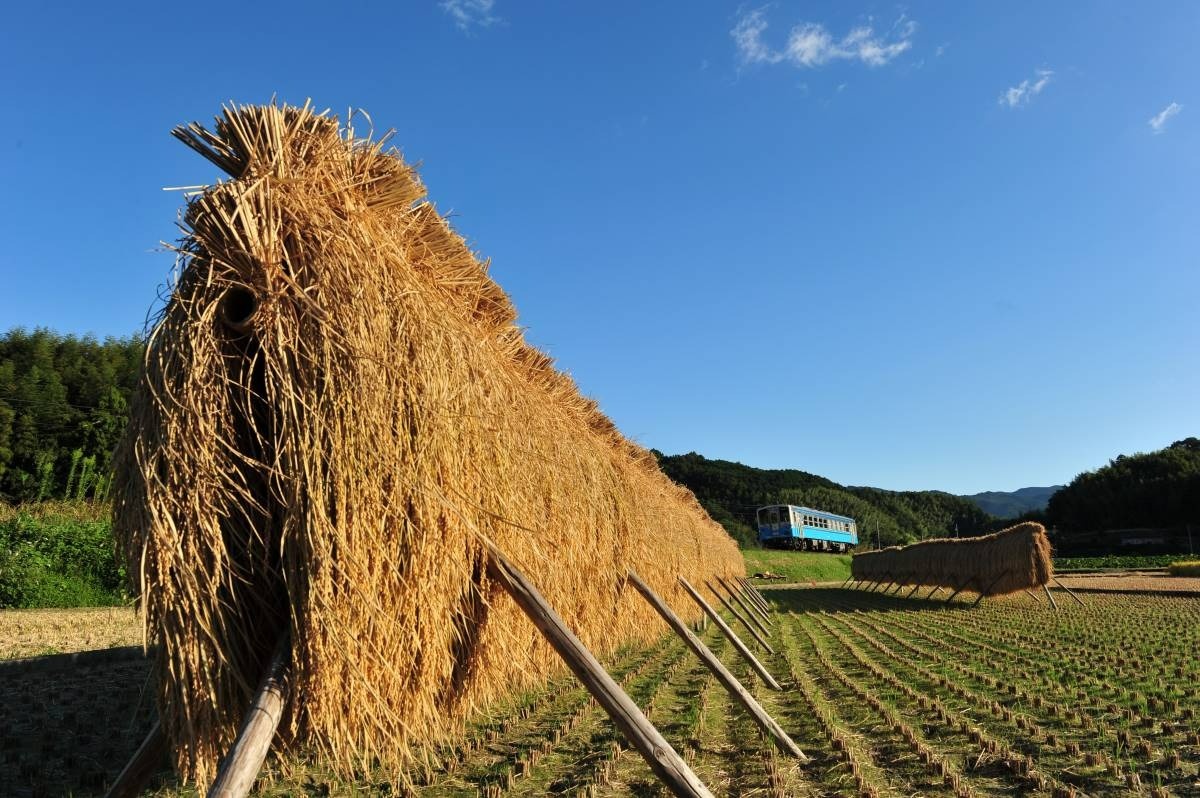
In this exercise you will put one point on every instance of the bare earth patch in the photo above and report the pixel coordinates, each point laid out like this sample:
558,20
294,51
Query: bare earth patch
34,633
1159,583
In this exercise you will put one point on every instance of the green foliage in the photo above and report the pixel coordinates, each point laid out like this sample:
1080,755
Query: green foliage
1115,561
64,401
1184,568
1159,489
798,566
731,492
58,560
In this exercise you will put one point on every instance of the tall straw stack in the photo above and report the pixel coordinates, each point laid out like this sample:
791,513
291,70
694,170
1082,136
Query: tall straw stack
337,409
1005,562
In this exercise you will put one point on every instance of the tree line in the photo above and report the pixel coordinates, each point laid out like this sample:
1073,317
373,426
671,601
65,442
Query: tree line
64,403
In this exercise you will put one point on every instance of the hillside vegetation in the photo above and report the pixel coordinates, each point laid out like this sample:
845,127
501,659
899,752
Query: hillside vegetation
1155,489
731,492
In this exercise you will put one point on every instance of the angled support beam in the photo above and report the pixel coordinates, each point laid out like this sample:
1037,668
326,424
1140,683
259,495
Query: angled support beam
743,621
756,593
1053,603
1033,595
1070,592
914,590
936,588
641,734
988,589
239,770
729,633
848,578
727,679
137,774
753,613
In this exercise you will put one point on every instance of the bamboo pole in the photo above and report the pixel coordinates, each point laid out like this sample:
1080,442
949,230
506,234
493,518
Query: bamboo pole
240,768
145,762
641,734
752,612
848,578
727,679
1053,603
984,592
1033,595
745,599
914,590
744,622
733,638
936,588
754,595
1070,592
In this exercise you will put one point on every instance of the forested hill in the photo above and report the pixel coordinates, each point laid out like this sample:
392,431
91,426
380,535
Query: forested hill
1010,504
731,492
1158,489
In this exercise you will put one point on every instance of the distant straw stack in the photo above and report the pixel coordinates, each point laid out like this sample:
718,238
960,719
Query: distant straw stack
1013,559
337,408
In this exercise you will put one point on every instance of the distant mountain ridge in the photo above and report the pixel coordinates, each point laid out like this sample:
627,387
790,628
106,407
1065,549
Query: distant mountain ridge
1010,504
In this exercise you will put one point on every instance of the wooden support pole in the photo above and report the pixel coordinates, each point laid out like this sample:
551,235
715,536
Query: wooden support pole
754,595
727,679
144,764
936,588
1070,592
733,638
987,589
899,587
752,612
745,599
743,621
955,593
641,734
240,768
1053,603
848,578
914,590
1033,595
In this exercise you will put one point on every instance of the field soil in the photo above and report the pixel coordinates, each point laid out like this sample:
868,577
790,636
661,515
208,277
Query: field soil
887,696
34,633
1155,582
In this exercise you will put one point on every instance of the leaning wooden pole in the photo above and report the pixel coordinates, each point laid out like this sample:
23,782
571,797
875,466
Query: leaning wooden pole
754,632
1070,592
754,591
727,679
641,734
1053,603
144,764
750,604
243,762
729,633
751,613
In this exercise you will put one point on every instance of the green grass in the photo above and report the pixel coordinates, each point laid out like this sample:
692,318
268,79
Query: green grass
798,566
1185,568
1116,561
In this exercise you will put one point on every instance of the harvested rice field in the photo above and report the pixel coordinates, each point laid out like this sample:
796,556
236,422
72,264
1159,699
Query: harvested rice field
1154,582
887,696
35,633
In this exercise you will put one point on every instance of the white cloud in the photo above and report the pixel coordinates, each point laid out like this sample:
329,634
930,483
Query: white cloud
1159,120
1026,90
468,14
811,45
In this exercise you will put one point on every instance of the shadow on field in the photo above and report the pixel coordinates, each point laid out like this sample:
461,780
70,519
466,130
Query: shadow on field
71,722
835,600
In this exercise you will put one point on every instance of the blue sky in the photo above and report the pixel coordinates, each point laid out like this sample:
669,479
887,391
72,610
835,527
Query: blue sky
929,245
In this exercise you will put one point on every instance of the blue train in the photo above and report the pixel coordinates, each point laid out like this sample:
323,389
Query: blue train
786,526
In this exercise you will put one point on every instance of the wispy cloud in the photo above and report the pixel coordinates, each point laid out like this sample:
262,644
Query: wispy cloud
1026,90
470,14
1159,120
810,44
